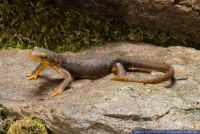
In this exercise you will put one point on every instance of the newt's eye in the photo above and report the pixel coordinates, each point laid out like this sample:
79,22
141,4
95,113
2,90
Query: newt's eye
43,56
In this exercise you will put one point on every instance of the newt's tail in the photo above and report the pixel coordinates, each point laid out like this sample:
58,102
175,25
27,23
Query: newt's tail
145,64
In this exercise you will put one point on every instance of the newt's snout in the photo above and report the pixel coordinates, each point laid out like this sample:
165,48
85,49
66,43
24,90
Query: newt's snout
35,57
38,56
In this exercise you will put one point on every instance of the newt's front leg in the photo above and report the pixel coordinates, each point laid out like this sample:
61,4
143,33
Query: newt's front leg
67,80
37,71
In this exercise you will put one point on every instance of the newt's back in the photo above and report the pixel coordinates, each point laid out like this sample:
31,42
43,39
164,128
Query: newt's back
89,66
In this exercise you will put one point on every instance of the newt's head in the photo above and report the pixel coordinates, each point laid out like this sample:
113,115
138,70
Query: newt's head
43,55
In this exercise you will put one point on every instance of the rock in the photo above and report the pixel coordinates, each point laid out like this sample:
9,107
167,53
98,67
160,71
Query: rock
104,106
176,16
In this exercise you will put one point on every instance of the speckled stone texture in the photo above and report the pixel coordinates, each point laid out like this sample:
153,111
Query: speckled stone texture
104,106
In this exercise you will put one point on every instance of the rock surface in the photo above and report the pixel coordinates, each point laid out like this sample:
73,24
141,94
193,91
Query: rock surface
175,16
104,106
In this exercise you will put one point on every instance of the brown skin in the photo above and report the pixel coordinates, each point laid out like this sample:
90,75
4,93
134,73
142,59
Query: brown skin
94,67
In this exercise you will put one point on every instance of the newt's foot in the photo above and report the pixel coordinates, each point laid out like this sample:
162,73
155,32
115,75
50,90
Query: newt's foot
57,91
32,76
116,78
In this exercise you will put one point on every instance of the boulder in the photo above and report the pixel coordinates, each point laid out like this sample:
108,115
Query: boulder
104,106
180,17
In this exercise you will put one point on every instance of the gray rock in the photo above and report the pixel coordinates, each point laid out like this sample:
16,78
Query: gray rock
175,16
104,106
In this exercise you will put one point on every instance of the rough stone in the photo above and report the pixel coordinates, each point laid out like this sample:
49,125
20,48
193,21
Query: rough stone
176,16
104,106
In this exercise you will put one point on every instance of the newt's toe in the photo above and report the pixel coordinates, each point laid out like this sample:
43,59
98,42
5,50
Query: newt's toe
32,76
57,92
115,78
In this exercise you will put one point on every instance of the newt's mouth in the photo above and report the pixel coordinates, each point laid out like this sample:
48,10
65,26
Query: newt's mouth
39,59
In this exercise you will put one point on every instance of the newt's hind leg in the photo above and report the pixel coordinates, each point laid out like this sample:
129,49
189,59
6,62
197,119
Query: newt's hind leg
119,70
37,71
67,80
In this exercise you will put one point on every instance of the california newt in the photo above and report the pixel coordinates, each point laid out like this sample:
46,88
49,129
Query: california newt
91,66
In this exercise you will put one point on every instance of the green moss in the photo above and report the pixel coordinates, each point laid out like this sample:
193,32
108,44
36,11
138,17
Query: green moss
27,126
34,23
2,110
3,128
156,37
25,24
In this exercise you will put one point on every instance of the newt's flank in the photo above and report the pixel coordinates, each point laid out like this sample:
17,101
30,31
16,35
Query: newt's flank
95,66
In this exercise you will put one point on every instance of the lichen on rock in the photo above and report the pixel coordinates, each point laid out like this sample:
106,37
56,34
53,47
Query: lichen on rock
27,125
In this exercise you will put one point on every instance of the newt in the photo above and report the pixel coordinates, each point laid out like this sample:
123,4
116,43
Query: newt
91,66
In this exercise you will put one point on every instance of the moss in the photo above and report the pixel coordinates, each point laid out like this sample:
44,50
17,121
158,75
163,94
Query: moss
3,123
3,131
25,24
27,126
35,23
2,110
156,37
